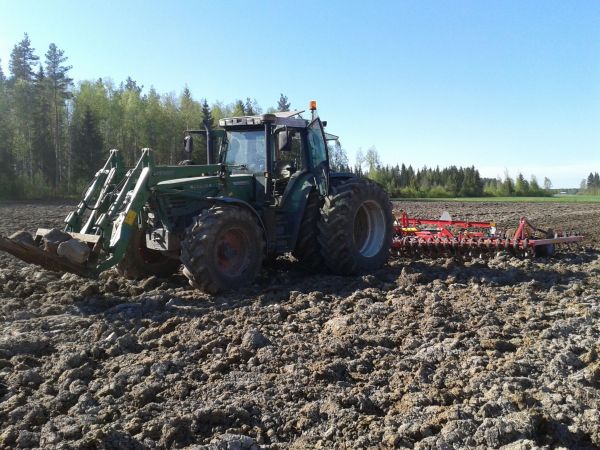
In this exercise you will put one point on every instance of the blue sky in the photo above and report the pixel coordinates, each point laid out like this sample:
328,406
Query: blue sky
501,85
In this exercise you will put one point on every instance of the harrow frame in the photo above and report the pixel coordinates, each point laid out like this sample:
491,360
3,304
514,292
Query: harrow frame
430,237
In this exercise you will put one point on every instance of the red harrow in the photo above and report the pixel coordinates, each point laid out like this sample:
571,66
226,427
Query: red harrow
459,238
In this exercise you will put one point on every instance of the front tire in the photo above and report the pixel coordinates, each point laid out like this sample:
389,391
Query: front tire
307,250
356,227
223,249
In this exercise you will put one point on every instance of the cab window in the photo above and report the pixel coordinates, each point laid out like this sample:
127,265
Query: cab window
316,143
246,150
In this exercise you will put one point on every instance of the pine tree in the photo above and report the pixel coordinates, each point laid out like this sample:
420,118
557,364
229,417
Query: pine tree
2,77
87,146
239,109
131,85
590,181
6,132
283,104
21,65
207,117
23,60
59,83
248,107
41,144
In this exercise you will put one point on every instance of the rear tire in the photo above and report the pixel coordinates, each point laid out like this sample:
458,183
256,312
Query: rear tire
307,250
141,262
223,249
356,227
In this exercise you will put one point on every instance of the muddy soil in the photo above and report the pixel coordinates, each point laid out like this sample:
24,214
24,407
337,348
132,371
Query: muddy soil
420,354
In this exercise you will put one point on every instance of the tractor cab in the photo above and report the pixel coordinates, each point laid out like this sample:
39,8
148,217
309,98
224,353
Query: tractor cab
279,150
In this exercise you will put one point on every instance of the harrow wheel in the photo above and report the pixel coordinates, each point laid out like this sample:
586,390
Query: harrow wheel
356,227
223,249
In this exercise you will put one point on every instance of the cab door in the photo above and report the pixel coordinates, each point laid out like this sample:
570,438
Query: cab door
318,156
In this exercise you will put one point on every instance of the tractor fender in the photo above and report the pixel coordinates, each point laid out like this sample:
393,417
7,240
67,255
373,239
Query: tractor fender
338,177
245,205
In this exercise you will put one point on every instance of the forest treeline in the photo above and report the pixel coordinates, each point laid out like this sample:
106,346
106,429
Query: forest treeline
591,185
403,181
55,134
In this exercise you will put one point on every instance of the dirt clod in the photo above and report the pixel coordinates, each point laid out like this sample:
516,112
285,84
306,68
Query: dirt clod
500,353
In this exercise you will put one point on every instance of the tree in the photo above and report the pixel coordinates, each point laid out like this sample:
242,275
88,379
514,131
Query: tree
21,65
239,109
372,159
508,187
7,179
131,85
534,186
248,108
283,104
2,77
251,107
547,184
207,117
44,162
87,146
359,161
338,157
521,186
23,60
59,83
590,181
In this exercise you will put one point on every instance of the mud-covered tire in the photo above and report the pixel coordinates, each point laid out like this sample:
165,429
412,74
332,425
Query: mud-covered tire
307,250
356,227
223,249
141,262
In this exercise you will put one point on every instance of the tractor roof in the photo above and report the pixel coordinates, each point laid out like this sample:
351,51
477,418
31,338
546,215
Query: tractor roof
278,118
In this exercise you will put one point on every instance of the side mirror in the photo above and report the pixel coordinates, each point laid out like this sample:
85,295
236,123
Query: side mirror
283,141
188,144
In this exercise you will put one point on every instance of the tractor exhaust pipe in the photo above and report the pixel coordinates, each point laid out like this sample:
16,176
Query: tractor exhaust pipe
209,154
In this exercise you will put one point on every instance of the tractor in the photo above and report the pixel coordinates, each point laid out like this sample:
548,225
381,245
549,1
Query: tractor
266,189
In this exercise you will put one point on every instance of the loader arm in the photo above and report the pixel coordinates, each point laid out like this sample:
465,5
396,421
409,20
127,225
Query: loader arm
118,200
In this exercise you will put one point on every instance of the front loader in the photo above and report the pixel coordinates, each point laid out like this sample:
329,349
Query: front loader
267,191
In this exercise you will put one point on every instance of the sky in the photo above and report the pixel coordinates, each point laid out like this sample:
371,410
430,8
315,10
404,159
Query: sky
505,86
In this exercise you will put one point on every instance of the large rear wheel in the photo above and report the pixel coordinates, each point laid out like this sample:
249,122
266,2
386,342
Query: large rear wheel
223,249
356,227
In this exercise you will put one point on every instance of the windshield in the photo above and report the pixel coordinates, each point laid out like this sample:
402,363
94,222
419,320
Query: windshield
246,149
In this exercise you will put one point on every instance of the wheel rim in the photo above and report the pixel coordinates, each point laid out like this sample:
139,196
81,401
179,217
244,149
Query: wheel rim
369,228
232,252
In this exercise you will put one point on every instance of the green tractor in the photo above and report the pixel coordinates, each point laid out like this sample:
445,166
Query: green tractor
267,191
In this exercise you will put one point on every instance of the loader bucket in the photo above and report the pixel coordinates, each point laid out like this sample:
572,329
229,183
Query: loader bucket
36,255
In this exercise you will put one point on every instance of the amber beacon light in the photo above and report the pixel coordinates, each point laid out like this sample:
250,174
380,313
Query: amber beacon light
313,105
